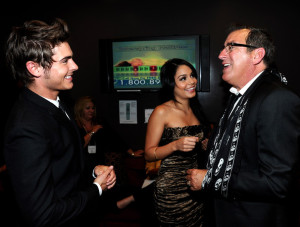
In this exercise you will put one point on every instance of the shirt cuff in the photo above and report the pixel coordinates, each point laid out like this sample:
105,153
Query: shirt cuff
94,175
99,188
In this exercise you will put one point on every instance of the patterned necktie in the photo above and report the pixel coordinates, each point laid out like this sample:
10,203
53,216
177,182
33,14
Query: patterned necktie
233,100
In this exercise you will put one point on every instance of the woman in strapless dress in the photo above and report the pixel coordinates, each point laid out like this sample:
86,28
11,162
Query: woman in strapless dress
176,135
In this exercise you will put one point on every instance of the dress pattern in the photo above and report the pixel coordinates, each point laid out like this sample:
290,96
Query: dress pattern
175,203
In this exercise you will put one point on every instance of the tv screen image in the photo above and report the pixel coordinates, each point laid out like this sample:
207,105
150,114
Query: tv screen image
137,64
133,64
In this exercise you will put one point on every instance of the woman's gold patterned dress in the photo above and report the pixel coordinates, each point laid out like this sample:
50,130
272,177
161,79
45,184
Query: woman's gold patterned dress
175,203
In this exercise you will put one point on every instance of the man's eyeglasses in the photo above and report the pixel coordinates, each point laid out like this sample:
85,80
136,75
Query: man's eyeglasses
229,46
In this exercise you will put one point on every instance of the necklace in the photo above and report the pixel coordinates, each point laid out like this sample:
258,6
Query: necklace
87,129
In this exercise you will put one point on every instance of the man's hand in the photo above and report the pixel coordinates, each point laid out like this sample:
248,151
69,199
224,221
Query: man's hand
106,176
195,177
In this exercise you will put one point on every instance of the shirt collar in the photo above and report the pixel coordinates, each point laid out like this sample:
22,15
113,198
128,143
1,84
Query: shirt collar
244,89
55,102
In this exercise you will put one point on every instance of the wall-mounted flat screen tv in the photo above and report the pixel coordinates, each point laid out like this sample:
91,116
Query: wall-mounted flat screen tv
134,64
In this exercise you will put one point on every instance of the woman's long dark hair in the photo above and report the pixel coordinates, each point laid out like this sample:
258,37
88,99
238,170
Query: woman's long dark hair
167,75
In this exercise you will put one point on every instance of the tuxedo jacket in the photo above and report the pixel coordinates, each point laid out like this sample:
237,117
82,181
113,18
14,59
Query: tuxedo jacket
44,158
263,180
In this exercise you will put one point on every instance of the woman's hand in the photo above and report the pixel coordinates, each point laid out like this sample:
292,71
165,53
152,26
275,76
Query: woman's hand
96,128
186,143
137,153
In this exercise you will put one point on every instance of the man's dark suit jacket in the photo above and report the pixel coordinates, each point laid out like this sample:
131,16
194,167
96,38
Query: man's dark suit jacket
262,183
44,160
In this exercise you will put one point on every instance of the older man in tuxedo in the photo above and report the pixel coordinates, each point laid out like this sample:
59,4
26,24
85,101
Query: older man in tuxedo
253,163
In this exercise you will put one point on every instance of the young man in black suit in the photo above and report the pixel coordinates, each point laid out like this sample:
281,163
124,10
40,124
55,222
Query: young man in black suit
43,150
253,164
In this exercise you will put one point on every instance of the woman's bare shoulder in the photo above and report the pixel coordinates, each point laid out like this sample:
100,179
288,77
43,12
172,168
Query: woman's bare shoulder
163,109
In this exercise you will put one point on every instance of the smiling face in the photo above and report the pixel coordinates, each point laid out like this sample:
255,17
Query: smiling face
185,83
238,67
49,82
89,111
60,74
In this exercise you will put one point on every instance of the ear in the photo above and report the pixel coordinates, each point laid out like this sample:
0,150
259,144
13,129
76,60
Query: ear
34,68
259,54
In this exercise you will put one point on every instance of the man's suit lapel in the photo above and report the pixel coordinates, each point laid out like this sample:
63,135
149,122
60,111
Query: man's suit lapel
61,117
70,123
